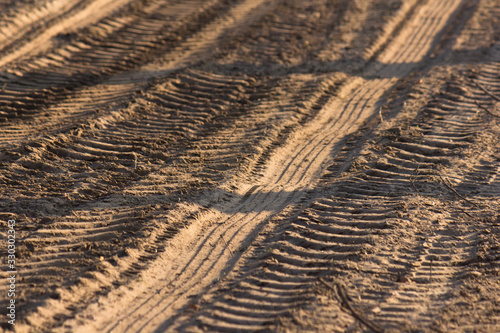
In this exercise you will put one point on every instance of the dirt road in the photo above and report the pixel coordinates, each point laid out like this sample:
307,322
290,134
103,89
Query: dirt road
251,165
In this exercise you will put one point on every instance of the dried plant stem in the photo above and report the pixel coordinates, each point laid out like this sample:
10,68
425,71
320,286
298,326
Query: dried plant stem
483,88
344,298
486,109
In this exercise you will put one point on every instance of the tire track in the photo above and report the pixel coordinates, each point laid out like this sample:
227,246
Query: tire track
286,178
73,19
165,153
374,232
23,20
436,268
137,38
103,145
73,107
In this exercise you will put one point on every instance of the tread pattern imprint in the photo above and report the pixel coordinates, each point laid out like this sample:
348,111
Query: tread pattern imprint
251,165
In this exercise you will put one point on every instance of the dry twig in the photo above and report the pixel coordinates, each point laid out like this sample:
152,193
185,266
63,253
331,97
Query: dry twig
226,244
463,211
455,192
413,181
486,109
344,298
483,88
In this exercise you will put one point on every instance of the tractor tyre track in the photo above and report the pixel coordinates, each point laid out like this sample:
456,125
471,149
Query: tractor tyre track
201,171
286,179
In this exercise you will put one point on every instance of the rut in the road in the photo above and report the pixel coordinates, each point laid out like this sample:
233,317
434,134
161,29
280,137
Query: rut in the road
391,229
189,165
288,172
96,152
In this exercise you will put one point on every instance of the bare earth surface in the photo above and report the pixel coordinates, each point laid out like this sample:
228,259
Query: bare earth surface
251,165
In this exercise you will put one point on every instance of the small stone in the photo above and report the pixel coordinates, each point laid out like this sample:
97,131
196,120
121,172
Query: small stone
475,273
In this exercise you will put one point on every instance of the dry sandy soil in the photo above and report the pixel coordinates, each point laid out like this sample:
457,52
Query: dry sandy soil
251,165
